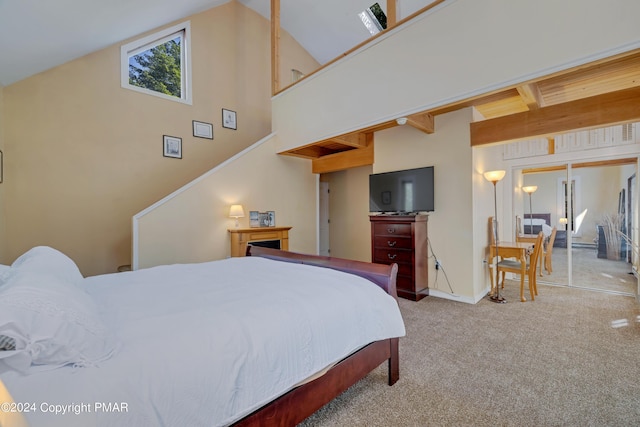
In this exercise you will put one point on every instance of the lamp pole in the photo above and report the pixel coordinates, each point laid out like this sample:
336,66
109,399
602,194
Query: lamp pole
530,190
494,177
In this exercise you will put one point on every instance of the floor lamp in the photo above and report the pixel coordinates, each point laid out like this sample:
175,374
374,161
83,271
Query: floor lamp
530,190
494,177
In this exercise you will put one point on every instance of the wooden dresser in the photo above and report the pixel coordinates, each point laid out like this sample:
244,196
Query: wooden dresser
403,239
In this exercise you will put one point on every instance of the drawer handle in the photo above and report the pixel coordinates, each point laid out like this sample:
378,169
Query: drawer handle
391,230
390,243
392,256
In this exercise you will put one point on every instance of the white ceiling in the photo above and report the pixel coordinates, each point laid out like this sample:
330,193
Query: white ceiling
36,35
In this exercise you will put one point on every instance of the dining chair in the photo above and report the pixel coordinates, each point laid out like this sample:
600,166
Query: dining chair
518,227
548,250
515,266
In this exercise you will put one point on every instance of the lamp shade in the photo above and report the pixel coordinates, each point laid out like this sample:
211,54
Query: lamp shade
494,176
530,189
236,211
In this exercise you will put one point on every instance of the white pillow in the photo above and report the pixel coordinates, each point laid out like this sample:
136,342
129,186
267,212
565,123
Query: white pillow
48,261
54,323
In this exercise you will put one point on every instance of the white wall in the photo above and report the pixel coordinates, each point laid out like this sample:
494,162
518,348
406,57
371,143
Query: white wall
458,49
191,224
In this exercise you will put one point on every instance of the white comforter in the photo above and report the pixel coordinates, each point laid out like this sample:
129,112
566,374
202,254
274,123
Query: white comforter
206,344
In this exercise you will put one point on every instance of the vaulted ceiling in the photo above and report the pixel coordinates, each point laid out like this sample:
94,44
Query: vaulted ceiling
36,35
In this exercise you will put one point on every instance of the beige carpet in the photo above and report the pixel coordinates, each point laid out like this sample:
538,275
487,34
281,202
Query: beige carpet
556,361
592,272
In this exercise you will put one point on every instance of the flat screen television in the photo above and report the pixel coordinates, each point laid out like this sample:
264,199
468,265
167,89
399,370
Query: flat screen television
404,191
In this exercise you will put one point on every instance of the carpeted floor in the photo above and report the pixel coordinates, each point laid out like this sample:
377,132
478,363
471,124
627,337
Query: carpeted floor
591,272
556,361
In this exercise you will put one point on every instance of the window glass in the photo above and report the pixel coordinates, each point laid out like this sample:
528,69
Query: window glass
158,64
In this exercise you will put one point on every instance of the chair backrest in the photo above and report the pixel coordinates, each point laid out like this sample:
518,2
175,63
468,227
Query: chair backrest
552,238
492,231
537,249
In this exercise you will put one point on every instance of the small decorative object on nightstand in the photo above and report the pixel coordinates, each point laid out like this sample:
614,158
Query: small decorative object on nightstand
236,211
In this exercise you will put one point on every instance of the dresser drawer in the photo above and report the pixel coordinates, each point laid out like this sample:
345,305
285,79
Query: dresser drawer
389,242
392,229
387,256
405,269
404,283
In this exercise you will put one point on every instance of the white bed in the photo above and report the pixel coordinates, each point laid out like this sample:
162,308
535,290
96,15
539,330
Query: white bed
199,344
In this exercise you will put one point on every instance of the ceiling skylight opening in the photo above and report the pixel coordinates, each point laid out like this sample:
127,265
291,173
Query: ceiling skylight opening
374,19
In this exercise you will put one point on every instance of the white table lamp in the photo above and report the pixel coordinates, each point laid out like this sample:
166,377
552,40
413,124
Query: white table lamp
236,211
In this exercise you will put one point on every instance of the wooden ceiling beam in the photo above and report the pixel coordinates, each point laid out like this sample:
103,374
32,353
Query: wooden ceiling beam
596,111
392,15
275,46
531,95
422,121
356,140
345,160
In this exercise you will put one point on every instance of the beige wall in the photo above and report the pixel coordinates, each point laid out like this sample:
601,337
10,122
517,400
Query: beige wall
84,155
191,225
349,230
450,226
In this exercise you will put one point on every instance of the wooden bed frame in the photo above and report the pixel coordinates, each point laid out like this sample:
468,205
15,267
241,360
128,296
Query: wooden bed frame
299,403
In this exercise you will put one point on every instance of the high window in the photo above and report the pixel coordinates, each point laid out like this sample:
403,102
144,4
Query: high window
374,19
159,64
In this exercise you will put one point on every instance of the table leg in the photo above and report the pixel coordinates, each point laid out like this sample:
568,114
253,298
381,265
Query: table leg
523,271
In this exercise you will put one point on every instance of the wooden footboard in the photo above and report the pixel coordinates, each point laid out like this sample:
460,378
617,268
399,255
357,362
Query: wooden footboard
382,275
295,406
299,403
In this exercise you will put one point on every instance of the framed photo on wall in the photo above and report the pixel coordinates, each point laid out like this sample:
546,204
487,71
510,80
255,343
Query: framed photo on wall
202,130
172,146
229,119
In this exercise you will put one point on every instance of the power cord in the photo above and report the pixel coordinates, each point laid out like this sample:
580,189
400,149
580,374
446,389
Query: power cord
438,267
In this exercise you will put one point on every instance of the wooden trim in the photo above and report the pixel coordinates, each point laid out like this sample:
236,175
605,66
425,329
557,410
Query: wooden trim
344,160
596,111
544,169
275,46
392,13
597,163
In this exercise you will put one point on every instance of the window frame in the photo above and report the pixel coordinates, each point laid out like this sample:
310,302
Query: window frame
159,37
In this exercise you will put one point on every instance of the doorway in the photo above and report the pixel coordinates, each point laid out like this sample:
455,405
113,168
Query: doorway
589,205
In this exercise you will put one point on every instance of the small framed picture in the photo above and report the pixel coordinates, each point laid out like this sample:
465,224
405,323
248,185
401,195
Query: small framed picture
263,218
254,220
271,215
229,119
202,130
172,146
